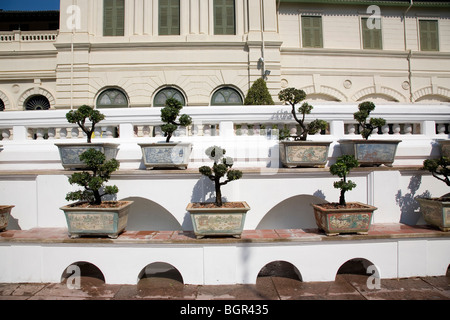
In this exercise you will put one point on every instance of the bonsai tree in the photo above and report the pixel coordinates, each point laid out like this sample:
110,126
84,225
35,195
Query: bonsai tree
258,94
341,169
361,116
169,115
93,183
79,117
439,167
221,167
293,97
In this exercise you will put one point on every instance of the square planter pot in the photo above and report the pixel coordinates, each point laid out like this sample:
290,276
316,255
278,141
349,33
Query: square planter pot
371,152
344,220
435,212
70,153
444,148
166,155
5,212
218,221
304,153
99,222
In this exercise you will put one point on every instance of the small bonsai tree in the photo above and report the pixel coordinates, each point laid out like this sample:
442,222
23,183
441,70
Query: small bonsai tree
258,94
341,169
79,117
221,167
439,168
169,115
93,183
361,116
293,97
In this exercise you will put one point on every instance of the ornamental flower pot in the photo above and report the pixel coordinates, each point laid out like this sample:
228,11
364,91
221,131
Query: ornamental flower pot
371,153
70,153
304,153
108,219
166,155
436,212
210,220
334,219
5,212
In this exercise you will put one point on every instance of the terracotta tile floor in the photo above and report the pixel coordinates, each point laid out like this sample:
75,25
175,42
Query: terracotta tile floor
376,231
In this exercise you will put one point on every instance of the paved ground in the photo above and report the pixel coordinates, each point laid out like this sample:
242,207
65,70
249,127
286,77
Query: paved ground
345,287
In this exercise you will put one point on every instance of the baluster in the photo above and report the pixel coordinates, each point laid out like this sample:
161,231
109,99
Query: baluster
146,132
51,133
256,129
207,130
74,133
385,129
63,133
244,130
441,128
351,129
195,130
158,131
6,134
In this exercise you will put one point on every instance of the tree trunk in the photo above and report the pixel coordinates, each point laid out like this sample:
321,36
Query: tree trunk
218,193
342,198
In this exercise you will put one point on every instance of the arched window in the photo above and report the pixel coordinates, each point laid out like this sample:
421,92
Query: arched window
2,105
167,93
112,98
37,102
225,97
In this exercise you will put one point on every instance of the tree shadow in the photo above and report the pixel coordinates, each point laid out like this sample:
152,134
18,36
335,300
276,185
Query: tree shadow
409,207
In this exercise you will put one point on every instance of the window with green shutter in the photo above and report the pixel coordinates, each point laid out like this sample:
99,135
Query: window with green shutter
224,17
429,35
113,17
371,37
312,32
169,17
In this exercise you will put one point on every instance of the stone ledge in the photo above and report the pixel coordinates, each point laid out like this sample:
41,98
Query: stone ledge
377,232
194,171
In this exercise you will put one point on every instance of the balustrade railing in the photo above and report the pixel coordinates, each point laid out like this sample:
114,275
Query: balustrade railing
28,36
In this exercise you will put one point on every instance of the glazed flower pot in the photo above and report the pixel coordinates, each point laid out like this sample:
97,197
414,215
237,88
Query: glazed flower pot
371,152
70,153
209,220
436,212
85,220
304,153
5,212
355,218
166,155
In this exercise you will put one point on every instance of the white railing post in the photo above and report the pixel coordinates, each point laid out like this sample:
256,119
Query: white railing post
20,133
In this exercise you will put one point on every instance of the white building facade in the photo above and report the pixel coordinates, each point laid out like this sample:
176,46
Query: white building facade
136,53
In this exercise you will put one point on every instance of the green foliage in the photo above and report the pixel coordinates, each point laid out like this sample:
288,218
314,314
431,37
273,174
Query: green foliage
93,182
293,97
365,108
341,169
80,115
439,167
258,94
221,167
169,115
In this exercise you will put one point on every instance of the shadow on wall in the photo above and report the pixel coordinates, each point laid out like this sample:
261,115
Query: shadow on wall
293,213
148,215
409,207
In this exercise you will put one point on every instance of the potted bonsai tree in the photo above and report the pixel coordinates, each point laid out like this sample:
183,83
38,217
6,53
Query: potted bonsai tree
295,150
5,212
435,210
169,154
91,215
70,151
342,217
369,152
218,218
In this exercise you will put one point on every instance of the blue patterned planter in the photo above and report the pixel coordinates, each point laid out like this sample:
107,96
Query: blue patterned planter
218,221
344,220
70,152
98,222
371,152
5,212
166,155
304,153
